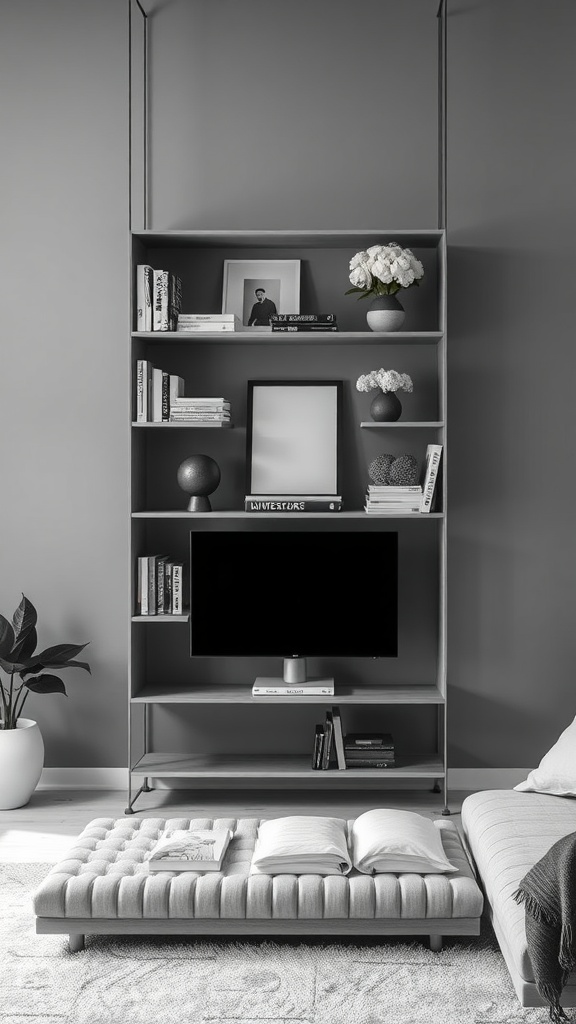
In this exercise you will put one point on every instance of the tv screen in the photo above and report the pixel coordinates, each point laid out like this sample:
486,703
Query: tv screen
294,594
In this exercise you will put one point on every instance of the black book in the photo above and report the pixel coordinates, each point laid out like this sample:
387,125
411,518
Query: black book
370,764
368,739
376,755
318,743
303,318
328,739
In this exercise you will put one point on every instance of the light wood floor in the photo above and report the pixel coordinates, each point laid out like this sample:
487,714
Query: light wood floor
45,828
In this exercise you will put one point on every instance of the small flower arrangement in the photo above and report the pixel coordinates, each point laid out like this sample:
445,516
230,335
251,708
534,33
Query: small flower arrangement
383,270
386,380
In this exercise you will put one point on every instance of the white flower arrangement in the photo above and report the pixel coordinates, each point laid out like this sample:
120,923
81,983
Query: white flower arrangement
383,270
386,380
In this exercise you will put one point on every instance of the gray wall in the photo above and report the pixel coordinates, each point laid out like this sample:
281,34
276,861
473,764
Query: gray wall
297,115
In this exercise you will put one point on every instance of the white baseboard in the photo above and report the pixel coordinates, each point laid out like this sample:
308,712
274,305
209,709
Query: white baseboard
459,779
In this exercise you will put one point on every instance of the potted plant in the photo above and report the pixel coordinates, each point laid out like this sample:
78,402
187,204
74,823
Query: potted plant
379,273
386,406
21,743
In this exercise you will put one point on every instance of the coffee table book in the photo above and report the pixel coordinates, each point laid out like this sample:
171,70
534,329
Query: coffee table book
185,850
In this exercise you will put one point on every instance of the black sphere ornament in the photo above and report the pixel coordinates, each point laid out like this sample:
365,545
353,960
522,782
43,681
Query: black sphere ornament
386,407
198,476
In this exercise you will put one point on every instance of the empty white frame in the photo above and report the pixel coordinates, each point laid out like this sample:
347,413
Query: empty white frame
293,437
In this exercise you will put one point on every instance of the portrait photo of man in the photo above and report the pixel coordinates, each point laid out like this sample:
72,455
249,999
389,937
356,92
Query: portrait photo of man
260,302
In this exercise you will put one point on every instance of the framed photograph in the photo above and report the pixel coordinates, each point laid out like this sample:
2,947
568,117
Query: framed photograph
293,437
256,289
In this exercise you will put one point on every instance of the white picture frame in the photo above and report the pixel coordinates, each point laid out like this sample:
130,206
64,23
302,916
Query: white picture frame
245,280
293,438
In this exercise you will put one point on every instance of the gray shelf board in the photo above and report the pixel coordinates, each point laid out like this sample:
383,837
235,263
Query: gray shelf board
234,514
358,238
270,766
292,338
221,694
422,424
161,618
194,426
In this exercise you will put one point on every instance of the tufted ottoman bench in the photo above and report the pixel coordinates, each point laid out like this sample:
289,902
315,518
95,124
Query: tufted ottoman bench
103,886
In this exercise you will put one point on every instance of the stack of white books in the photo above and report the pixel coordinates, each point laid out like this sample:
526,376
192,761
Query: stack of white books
206,322
385,499
215,411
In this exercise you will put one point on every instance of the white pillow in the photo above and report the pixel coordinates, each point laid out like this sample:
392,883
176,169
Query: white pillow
556,773
301,845
389,840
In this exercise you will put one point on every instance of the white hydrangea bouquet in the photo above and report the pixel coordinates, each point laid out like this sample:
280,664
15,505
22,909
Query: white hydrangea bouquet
383,270
386,406
386,380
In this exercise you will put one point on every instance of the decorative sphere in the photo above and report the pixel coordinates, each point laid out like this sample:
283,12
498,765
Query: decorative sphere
198,475
378,469
403,471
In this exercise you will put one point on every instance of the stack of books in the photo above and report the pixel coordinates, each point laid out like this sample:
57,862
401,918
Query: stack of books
212,411
270,686
294,322
159,589
293,503
369,750
385,499
328,751
189,850
158,299
209,322
156,391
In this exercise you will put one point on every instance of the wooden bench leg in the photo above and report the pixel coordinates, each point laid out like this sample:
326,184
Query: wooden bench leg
435,943
76,942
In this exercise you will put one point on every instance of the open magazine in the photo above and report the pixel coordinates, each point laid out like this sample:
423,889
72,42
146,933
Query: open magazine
189,850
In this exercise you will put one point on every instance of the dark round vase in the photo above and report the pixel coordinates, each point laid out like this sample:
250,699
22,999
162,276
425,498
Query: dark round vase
386,407
385,313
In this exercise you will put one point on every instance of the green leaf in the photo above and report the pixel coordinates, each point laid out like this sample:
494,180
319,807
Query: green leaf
352,290
46,684
24,619
70,664
33,667
6,637
60,653
13,666
26,645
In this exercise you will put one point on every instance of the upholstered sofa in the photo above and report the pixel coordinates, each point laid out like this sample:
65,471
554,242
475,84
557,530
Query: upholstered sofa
506,832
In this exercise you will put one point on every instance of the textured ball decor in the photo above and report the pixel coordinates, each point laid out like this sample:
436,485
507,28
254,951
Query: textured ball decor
394,471
198,476
378,469
403,471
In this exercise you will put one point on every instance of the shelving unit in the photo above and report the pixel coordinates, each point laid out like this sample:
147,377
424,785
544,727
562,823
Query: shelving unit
183,703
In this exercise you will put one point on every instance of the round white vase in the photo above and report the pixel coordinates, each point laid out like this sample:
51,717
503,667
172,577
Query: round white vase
385,313
21,763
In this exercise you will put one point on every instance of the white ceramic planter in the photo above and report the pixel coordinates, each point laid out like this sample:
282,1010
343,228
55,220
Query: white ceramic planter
21,763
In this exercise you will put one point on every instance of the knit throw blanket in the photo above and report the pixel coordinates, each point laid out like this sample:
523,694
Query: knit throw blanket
548,892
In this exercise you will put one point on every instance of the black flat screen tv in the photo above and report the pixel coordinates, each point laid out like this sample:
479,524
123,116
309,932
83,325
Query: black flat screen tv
294,594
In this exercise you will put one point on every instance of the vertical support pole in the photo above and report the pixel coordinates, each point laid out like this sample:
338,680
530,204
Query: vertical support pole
442,110
138,180
146,788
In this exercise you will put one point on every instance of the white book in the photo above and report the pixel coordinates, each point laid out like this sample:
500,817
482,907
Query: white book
293,497
392,489
143,585
144,287
433,456
176,388
189,850
281,689
203,401
142,387
202,326
177,596
210,318
160,300
392,510
156,411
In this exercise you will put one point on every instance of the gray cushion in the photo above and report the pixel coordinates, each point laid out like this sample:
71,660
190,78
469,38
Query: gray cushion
103,876
508,831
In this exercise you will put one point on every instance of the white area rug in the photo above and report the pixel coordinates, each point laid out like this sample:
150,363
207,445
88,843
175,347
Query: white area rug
127,980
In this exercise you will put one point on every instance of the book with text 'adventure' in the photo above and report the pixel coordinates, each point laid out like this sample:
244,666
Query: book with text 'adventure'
189,850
